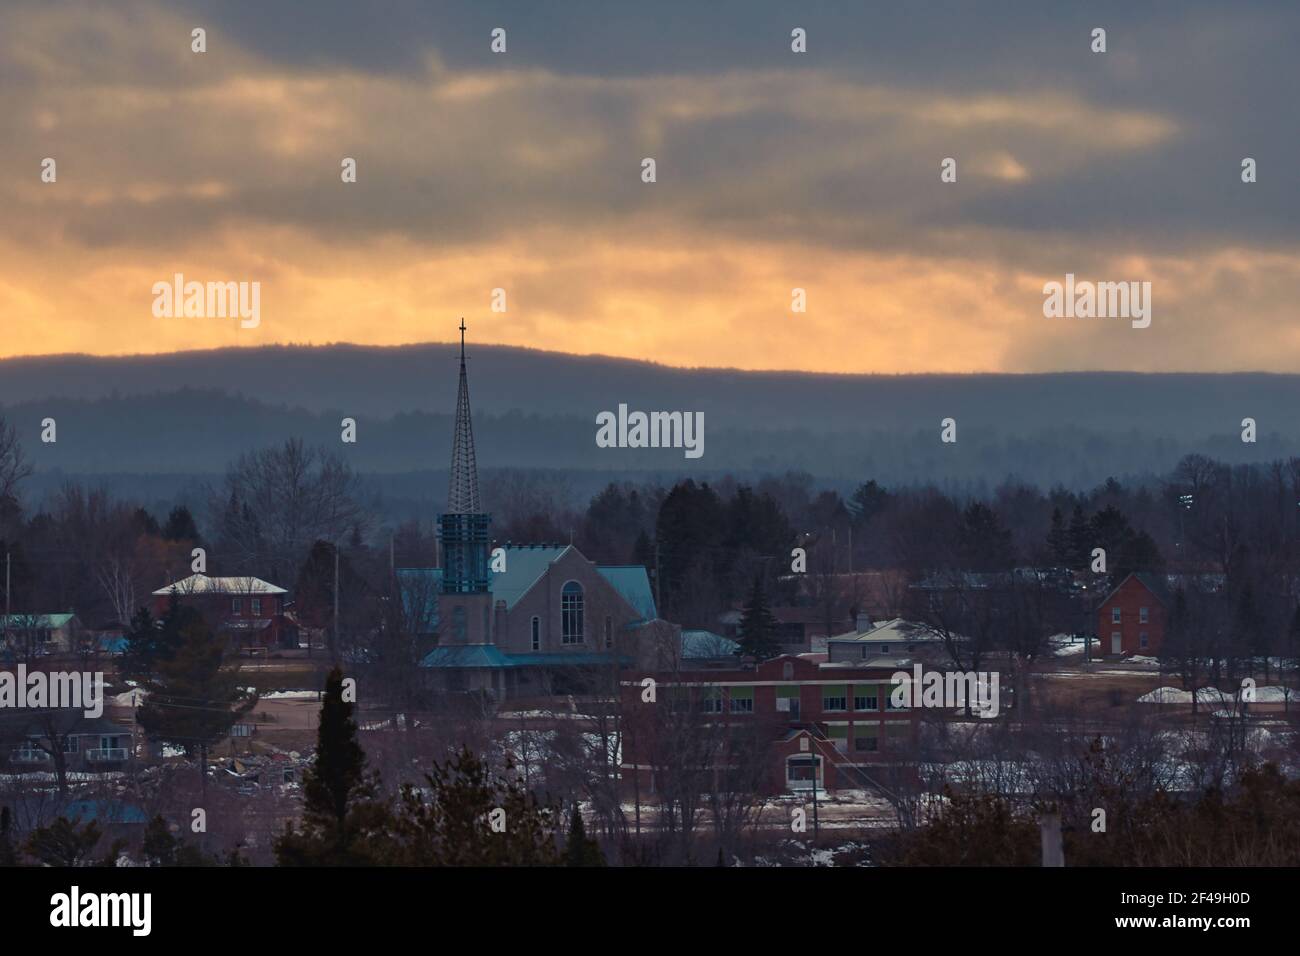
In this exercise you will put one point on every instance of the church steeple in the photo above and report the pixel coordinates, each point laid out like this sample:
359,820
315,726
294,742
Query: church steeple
464,528
462,493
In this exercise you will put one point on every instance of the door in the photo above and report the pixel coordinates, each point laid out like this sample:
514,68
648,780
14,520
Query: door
1116,643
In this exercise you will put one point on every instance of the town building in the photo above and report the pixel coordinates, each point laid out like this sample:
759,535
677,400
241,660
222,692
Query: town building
1131,619
531,620
35,635
87,745
868,641
833,723
250,611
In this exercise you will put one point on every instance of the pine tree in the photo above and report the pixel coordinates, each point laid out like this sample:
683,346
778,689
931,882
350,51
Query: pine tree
194,698
579,850
1058,540
180,525
62,843
8,854
472,818
759,637
341,818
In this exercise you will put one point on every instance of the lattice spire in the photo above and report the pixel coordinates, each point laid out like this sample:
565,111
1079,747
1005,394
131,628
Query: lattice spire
462,495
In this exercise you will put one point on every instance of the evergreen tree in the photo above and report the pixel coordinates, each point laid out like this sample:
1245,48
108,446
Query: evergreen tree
180,525
194,697
160,848
1080,536
579,850
341,818
759,637
8,854
471,818
63,843
1058,540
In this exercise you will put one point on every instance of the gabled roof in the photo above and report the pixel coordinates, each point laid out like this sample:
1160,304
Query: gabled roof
51,621
202,584
524,566
1155,585
633,584
698,645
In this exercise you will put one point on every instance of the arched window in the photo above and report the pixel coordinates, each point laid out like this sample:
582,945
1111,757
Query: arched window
571,613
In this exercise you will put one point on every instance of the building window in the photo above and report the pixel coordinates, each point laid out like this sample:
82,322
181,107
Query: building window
864,698
257,606
1114,615
458,622
571,613
884,648
787,671
70,744
742,700
711,701
1142,639
236,605
1144,615
867,744
609,632
537,633
835,698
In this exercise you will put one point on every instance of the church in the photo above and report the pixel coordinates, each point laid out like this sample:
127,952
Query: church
525,621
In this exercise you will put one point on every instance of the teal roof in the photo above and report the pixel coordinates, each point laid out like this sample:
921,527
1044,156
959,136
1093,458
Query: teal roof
465,655
489,655
702,644
633,584
104,811
51,621
524,565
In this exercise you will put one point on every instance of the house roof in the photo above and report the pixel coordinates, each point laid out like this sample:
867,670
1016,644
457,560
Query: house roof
489,655
1158,588
896,631
51,621
706,644
104,811
202,584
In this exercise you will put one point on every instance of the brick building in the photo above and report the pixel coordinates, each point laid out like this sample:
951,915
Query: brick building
249,610
834,721
1131,619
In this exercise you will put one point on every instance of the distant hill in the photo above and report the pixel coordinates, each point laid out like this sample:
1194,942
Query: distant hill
191,413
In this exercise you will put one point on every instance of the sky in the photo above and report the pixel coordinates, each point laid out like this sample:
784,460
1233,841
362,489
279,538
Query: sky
775,170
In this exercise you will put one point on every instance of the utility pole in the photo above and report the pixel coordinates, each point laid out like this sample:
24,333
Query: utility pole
334,644
659,601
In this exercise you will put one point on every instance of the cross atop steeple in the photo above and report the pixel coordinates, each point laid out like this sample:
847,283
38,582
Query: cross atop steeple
462,495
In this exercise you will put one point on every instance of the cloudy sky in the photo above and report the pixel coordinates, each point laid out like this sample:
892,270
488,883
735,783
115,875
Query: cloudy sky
775,170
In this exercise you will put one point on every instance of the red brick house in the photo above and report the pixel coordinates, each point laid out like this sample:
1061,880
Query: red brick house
1131,619
832,720
249,610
